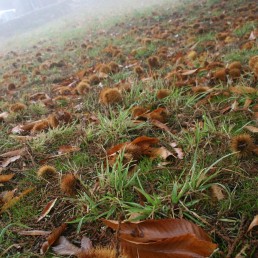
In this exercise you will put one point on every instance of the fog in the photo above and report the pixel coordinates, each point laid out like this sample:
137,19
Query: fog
24,21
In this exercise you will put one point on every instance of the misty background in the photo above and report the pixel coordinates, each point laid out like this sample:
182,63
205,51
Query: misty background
39,18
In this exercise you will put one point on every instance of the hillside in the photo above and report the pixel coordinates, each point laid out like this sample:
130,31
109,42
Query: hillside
148,115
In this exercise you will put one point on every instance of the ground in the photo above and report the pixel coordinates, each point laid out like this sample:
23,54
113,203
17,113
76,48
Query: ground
177,73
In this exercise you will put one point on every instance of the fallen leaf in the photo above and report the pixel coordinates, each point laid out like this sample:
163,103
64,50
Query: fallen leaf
6,178
160,125
14,200
251,128
67,149
64,247
162,239
18,152
242,90
217,192
6,196
8,161
252,36
247,103
161,152
52,238
47,209
189,72
3,116
179,152
253,224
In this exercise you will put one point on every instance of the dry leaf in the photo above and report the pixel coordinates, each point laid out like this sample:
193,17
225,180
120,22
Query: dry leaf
253,224
6,178
8,161
252,36
251,128
160,125
6,196
47,209
217,192
64,247
179,152
177,238
14,200
3,116
18,152
242,90
161,152
67,149
189,72
52,238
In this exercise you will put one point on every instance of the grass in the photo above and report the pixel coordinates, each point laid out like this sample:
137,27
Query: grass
200,124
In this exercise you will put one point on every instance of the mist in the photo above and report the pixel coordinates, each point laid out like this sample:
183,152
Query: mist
29,20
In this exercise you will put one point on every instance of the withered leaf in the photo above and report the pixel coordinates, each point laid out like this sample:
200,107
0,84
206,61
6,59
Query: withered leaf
10,160
14,200
64,247
217,192
67,149
189,72
3,116
251,128
18,152
47,209
160,125
253,224
52,238
242,90
6,196
163,238
6,178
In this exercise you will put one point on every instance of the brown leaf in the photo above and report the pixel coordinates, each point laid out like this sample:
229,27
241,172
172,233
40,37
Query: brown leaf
253,224
217,192
67,149
47,209
144,140
18,152
247,103
177,238
160,125
252,36
189,72
242,90
161,152
64,247
179,152
3,116
6,178
6,196
8,161
52,238
252,129
14,200
116,148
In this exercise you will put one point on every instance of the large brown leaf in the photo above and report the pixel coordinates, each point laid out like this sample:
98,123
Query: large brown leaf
176,238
